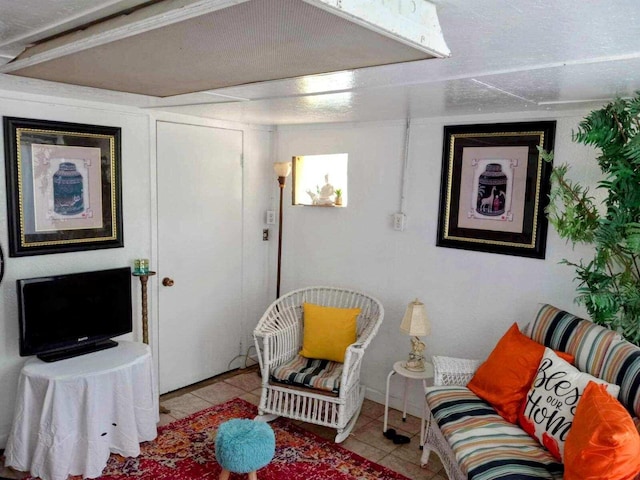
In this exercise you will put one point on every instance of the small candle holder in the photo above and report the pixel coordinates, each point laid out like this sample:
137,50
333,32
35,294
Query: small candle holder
141,266
144,266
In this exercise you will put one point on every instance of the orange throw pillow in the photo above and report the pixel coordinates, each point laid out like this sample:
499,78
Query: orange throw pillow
503,380
603,443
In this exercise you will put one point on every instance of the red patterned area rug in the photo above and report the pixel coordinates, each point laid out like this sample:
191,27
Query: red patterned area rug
184,450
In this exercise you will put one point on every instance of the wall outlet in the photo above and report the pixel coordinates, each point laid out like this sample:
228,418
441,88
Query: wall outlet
271,217
265,235
399,221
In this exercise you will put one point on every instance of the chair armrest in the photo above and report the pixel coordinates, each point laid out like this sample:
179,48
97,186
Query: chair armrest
355,353
453,371
277,338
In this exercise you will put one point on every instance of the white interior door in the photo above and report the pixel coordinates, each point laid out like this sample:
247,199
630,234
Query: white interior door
200,249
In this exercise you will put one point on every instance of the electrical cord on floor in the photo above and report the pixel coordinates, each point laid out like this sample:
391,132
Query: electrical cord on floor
246,359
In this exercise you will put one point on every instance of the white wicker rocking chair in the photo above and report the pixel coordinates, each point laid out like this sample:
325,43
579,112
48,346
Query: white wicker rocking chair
278,339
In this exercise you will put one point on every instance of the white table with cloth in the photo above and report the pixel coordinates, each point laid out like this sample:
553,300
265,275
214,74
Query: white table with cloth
71,414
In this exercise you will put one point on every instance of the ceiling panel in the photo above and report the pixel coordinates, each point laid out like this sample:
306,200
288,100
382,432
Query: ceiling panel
496,35
572,83
381,103
25,21
529,42
252,41
516,56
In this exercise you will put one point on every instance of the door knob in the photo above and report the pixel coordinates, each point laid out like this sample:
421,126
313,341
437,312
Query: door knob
167,282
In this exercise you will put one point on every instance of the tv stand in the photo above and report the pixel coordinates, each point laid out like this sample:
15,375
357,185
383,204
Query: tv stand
77,351
71,415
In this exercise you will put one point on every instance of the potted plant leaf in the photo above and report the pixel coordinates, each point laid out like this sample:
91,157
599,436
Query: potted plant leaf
338,200
609,283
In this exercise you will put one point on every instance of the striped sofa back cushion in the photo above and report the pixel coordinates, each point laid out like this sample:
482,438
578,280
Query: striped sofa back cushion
622,367
565,332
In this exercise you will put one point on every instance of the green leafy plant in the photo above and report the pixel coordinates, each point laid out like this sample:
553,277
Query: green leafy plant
338,192
609,284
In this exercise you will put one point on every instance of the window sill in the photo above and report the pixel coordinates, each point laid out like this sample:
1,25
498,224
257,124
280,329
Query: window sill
319,206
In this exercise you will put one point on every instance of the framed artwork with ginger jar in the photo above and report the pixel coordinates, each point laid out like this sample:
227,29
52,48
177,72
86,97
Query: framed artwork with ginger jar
64,190
494,188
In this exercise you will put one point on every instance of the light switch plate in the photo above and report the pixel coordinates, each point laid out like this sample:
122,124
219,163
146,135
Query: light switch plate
271,217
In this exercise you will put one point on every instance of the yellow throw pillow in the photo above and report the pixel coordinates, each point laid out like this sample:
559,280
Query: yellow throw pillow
328,331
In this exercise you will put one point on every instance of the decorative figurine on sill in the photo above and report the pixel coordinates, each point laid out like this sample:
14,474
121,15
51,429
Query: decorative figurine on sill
326,192
314,197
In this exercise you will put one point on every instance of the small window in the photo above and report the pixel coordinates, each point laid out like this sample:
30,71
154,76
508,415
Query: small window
320,180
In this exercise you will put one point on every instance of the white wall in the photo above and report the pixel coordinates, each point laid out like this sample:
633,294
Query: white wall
258,255
139,209
470,297
136,223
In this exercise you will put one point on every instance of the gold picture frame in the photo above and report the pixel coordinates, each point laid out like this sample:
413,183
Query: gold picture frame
495,187
63,186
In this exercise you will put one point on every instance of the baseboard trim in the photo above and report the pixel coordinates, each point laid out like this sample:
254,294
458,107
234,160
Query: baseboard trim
394,402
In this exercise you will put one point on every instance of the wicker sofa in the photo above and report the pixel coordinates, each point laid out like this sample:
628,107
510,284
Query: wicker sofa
474,442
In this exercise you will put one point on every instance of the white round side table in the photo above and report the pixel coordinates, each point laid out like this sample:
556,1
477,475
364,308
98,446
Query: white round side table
399,368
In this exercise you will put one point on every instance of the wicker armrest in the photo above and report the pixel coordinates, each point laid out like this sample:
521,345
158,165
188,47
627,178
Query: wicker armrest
453,371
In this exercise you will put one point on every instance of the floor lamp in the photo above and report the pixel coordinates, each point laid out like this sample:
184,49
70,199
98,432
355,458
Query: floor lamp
282,169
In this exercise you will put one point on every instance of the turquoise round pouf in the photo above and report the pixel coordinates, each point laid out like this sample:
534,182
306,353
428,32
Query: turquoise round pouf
243,446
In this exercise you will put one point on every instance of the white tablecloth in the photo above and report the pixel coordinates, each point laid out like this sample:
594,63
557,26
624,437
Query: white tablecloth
71,414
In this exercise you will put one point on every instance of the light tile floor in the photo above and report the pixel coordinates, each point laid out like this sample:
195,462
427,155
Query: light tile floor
366,439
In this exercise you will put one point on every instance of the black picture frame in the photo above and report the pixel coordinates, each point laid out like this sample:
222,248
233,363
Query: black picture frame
495,187
64,186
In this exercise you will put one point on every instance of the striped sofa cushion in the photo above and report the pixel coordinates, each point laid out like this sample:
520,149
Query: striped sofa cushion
486,446
622,367
565,332
310,373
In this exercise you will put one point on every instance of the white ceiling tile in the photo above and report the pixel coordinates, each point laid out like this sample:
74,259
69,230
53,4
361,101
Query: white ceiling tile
373,104
572,83
507,56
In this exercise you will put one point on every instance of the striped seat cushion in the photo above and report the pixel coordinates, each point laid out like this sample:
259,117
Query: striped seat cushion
310,373
565,332
486,446
622,367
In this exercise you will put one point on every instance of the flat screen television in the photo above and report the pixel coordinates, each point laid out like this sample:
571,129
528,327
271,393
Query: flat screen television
62,316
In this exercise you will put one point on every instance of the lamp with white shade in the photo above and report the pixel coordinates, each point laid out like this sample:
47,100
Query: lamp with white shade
282,169
416,324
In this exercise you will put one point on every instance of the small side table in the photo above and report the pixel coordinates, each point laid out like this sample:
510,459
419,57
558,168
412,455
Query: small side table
399,368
